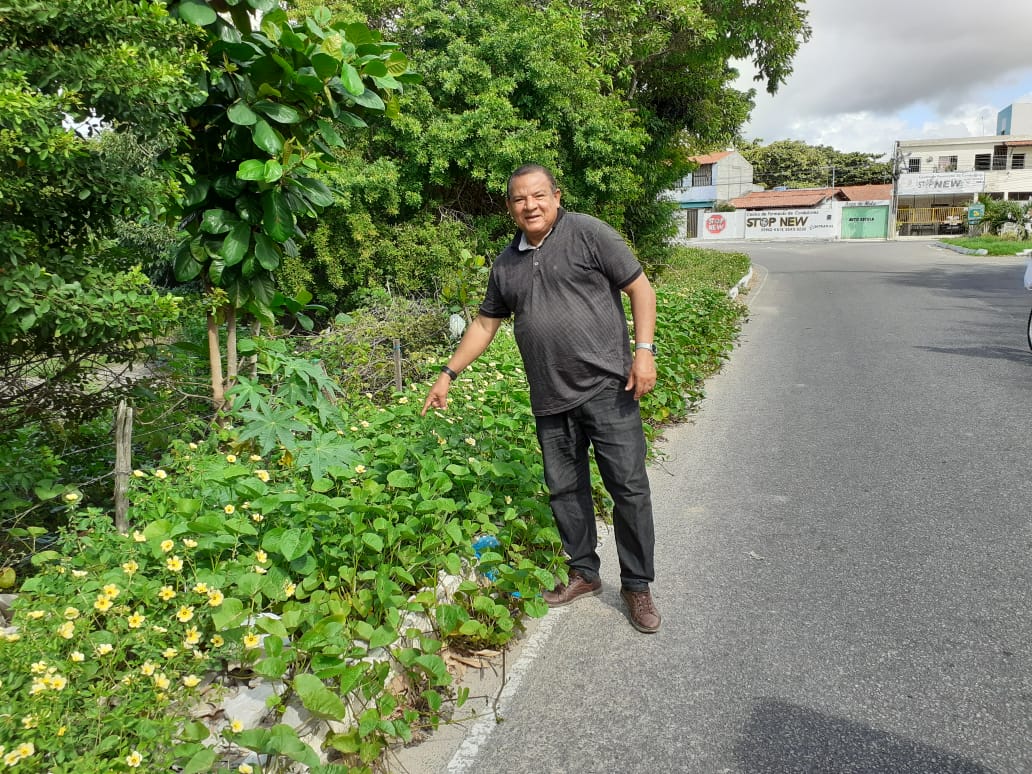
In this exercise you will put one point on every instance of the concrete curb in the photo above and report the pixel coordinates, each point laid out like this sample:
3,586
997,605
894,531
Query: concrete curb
958,249
733,292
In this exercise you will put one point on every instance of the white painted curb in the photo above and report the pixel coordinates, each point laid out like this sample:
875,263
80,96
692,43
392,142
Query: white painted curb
733,292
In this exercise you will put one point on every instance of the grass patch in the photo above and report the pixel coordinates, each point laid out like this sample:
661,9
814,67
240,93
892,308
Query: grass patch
993,245
695,267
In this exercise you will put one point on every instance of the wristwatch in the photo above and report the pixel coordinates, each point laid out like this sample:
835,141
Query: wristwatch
649,346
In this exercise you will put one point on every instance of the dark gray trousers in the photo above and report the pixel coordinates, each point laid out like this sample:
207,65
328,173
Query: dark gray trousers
611,423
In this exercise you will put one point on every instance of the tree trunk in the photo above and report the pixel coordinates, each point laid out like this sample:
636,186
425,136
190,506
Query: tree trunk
218,391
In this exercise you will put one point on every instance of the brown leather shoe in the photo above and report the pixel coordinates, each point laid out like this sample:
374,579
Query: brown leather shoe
642,610
565,593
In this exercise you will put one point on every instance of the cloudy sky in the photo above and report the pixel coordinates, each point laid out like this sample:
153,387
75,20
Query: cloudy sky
877,71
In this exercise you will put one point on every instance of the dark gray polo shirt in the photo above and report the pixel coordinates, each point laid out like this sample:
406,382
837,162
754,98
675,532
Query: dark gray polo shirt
564,297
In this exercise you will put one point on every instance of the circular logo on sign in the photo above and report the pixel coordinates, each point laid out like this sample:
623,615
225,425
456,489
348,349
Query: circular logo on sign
715,223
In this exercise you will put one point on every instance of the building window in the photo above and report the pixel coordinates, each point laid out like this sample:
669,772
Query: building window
1018,161
983,160
913,165
703,175
1000,157
946,164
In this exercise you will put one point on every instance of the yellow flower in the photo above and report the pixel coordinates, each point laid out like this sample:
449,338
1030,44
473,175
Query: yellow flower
192,445
147,669
256,517
139,537
103,604
471,441
263,475
364,423
133,760
185,613
57,682
71,497
260,570
245,768
159,629
12,637
251,640
38,668
403,400
111,591
215,597
289,589
508,500
61,731
30,721
77,656
230,509
159,473
35,615
170,652
236,726
230,458
135,621
255,458
166,593
189,542
174,563
353,428
201,588
104,648
130,567
167,545
360,469
260,556
79,573
217,641
191,681
139,473
192,637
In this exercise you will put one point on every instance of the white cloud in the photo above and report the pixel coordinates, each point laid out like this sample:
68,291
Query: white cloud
881,70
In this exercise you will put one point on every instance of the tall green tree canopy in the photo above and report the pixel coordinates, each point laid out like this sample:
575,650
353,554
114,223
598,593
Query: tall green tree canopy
794,164
67,301
614,96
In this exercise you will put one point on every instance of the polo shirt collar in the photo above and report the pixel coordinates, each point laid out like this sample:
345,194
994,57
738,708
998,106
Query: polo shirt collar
523,245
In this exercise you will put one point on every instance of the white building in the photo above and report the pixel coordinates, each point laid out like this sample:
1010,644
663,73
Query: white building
938,179
720,177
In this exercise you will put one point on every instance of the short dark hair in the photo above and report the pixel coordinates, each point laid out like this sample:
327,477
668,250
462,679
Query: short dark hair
530,169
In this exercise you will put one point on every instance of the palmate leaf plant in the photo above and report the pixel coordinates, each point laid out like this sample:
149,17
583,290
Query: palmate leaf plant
280,91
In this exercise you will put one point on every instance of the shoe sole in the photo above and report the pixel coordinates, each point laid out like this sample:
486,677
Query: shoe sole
594,593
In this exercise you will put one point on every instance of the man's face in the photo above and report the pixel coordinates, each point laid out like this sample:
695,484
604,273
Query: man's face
533,205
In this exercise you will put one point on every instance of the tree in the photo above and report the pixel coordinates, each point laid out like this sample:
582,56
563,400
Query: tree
70,302
278,93
614,96
794,164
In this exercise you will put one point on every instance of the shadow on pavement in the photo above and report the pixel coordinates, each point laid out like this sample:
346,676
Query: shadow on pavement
782,738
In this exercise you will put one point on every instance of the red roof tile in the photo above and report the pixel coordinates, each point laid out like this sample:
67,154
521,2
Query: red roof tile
868,193
801,197
711,158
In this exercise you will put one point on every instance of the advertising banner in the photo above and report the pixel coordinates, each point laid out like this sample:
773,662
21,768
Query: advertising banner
918,184
815,223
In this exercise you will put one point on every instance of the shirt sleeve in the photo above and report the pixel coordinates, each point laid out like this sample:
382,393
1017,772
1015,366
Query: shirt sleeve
494,304
615,258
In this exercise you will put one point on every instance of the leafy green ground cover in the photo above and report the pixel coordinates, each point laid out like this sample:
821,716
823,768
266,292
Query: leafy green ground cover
993,245
303,542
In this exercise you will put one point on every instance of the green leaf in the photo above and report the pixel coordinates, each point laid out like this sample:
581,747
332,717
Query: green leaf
194,731
202,761
370,99
325,66
218,221
329,134
185,267
267,138
318,699
278,220
240,113
454,531
197,13
229,614
234,248
283,114
374,541
252,169
266,252
273,171
315,191
351,80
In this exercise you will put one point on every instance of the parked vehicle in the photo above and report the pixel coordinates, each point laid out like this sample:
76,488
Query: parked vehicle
952,224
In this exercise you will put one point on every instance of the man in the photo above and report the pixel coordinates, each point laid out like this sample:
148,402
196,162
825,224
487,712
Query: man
560,279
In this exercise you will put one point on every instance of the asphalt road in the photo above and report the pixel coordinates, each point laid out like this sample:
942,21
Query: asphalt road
844,545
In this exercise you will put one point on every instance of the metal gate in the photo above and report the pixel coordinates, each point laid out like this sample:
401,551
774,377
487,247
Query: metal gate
865,222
